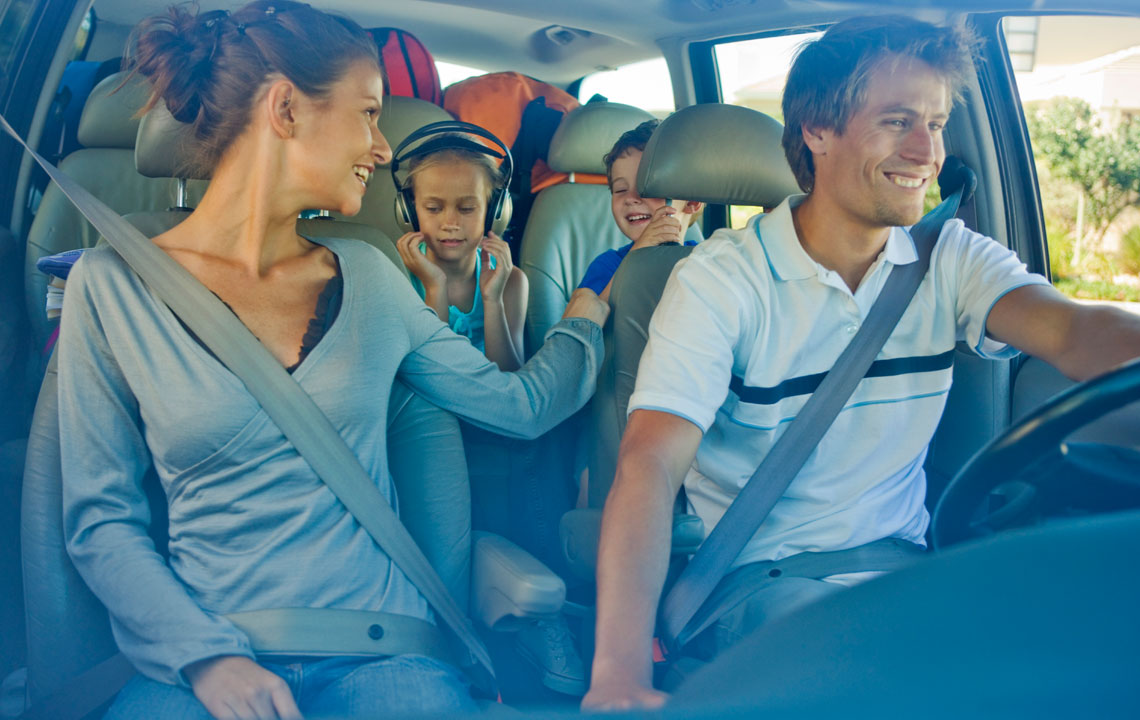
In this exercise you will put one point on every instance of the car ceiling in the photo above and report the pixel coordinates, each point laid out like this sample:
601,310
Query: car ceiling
560,40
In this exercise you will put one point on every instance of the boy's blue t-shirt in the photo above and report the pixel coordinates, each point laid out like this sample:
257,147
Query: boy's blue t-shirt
603,267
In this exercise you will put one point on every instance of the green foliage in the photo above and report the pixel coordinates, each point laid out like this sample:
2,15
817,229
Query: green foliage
1101,159
1130,251
1097,289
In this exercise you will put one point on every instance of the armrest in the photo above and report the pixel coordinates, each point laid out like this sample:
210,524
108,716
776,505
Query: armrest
508,582
580,529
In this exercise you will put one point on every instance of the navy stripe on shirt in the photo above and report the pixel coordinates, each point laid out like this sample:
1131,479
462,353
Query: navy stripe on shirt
806,384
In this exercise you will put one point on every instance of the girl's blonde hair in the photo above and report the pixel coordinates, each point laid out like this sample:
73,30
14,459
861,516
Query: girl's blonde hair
449,155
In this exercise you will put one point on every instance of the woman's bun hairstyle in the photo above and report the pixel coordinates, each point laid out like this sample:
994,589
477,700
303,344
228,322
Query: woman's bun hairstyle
208,67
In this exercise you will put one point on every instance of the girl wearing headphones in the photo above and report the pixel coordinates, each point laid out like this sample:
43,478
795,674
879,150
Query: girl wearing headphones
453,196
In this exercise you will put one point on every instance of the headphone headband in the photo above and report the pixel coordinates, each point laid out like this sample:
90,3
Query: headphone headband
444,127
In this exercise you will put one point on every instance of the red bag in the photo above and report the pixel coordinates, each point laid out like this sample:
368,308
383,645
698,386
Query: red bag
410,67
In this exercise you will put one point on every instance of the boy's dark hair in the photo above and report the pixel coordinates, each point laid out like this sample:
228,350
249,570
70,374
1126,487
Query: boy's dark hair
635,139
209,66
828,80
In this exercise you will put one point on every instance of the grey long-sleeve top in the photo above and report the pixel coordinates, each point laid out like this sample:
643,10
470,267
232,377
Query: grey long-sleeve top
251,524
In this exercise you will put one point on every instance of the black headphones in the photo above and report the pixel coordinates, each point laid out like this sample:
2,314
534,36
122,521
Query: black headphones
442,138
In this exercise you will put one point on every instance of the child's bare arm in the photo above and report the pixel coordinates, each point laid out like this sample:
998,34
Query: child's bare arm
503,290
430,275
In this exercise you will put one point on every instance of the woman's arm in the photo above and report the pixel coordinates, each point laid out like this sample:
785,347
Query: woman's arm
450,372
104,458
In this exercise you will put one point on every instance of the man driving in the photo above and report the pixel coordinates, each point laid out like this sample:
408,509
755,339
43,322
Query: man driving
754,317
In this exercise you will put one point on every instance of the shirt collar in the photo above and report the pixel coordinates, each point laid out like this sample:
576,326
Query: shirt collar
789,261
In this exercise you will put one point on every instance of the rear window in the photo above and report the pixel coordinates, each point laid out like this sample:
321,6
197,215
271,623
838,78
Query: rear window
642,84
752,74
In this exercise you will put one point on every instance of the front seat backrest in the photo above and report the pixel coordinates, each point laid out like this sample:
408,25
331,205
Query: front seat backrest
105,166
714,153
571,223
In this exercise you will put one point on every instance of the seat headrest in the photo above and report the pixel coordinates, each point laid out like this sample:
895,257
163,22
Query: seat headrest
108,119
721,154
588,132
164,148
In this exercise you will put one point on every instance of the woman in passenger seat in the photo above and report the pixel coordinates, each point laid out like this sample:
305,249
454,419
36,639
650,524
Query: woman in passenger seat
283,101
464,271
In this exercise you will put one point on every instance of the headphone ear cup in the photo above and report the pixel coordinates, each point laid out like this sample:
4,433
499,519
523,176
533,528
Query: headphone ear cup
405,203
499,212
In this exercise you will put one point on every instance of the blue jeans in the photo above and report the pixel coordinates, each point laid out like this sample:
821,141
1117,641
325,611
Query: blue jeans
338,687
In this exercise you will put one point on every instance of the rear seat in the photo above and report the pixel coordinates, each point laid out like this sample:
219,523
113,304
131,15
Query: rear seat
571,223
399,118
106,167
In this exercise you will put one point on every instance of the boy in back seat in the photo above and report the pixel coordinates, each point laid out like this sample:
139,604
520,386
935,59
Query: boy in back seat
645,221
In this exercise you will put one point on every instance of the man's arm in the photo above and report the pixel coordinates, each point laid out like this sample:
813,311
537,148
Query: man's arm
1082,341
657,450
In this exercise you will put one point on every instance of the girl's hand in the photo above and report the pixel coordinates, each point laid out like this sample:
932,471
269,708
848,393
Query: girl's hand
492,282
663,227
233,686
430,275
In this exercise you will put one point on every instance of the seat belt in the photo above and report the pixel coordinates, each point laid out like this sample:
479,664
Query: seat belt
783,462
283,399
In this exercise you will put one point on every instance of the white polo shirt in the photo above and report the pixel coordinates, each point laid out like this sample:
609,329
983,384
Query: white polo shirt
746,328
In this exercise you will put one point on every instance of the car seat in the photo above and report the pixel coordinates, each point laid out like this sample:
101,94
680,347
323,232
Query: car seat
68,630
106,167
399,118
690,156
571,223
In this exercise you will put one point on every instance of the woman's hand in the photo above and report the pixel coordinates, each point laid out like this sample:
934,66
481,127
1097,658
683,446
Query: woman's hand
614,697
430,275
663,227
585,303
233,687
492,282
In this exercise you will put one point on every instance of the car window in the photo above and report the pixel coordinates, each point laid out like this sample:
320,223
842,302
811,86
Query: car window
1079,82
752,74
450,73
642,84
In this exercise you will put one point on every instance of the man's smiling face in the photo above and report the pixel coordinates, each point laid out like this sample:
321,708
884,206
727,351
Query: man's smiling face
878,170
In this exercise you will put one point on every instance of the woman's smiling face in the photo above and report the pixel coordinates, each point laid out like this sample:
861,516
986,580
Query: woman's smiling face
342,142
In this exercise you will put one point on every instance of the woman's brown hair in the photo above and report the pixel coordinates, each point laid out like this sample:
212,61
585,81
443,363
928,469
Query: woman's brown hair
208,67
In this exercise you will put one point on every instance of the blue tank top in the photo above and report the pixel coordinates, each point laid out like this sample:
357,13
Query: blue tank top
468,324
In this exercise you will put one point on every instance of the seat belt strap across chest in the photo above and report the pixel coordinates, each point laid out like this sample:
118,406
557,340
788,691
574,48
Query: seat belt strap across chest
284,400
779,467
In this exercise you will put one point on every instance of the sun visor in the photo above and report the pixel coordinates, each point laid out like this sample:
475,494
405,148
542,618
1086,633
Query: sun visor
715,153
165,147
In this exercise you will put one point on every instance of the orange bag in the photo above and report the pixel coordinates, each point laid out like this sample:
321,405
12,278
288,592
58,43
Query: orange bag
497,102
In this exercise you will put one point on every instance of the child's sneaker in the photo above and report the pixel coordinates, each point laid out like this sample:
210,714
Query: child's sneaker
549,645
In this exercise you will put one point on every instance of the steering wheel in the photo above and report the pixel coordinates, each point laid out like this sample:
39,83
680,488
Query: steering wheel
1030,470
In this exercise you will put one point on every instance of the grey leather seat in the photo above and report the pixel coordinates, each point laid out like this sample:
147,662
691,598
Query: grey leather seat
688,156
400,117
106,167
68,629
571,223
